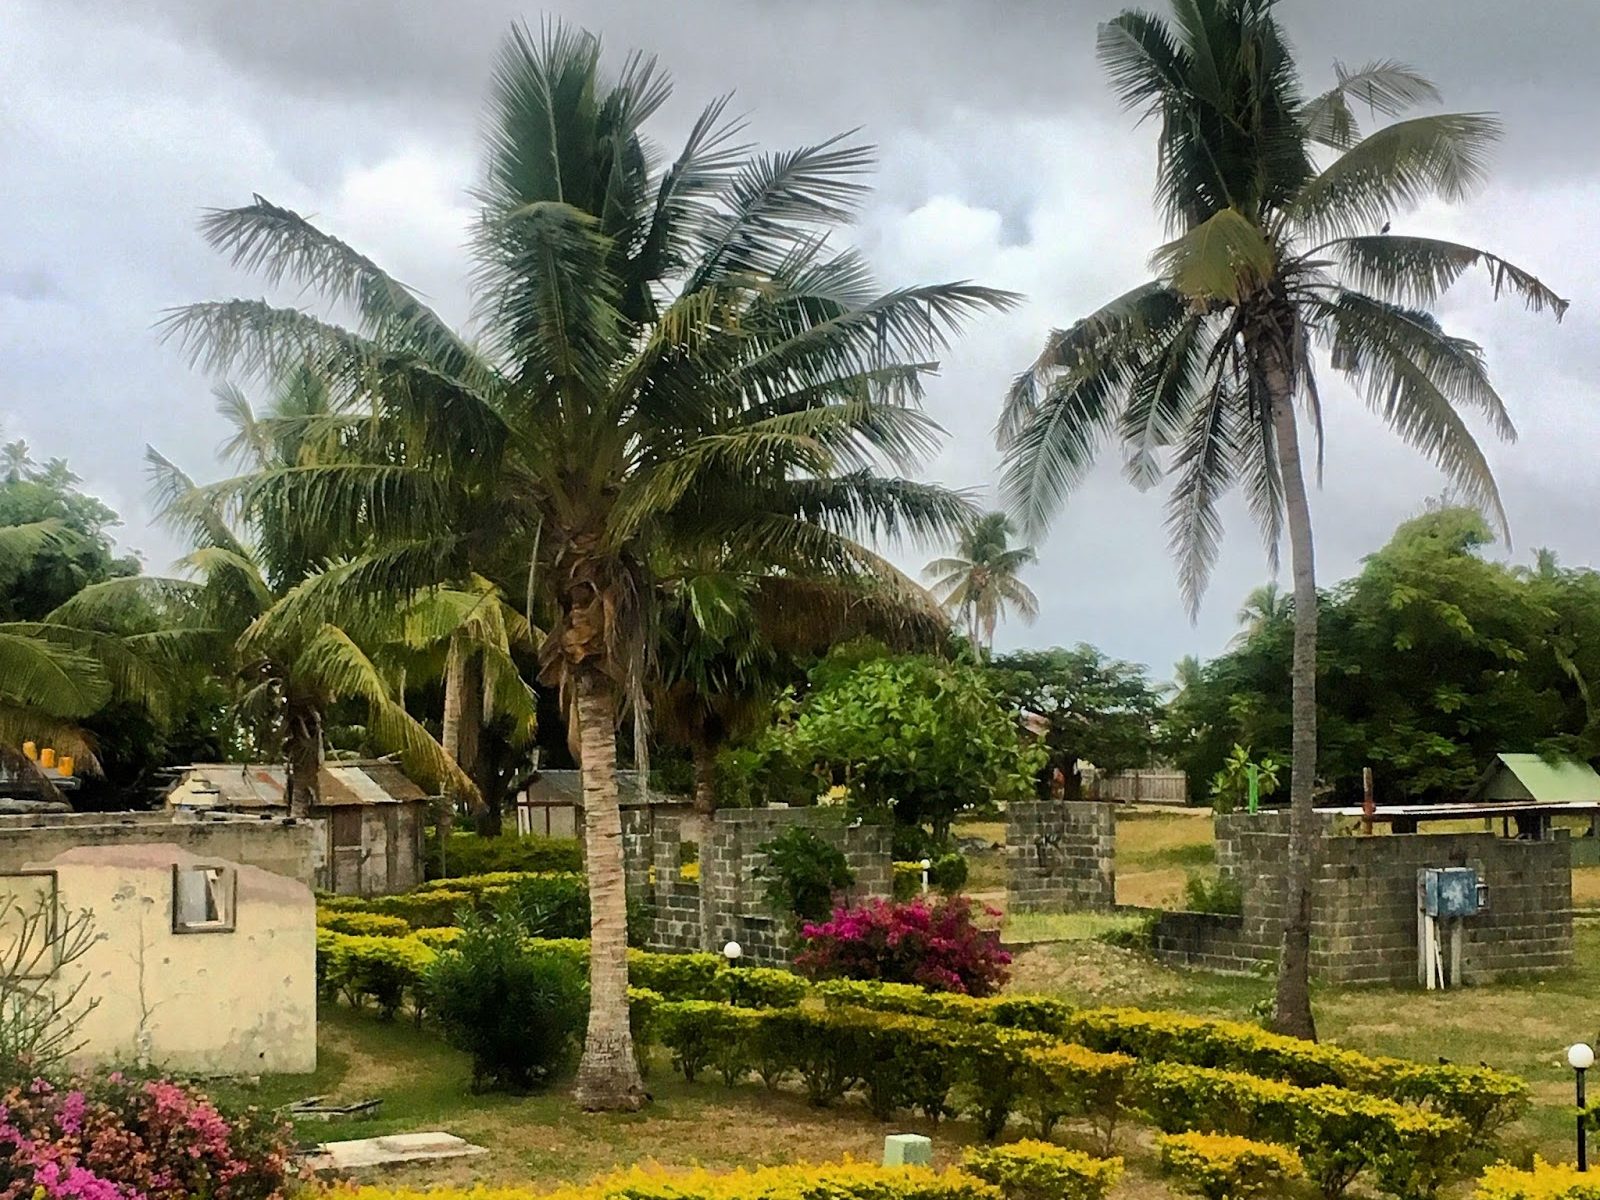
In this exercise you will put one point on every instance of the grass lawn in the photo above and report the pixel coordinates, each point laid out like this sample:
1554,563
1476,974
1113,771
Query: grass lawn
544,1141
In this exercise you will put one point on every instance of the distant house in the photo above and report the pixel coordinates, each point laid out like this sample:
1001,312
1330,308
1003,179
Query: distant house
369,818
551,804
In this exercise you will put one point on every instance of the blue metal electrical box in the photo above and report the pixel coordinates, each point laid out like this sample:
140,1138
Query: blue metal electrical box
1451,892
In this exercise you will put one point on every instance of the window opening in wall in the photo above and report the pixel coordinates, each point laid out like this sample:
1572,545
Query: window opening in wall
30,919
203,899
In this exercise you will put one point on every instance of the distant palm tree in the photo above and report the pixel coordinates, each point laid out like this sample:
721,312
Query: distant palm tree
979,582
1263,607
15,461
1273,256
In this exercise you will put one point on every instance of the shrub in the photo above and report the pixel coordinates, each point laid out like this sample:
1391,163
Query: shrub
1338,1132
798,1181
759,987
1545,1181
362,924
1071,1081
992,1071
675,976
385,970
1041,1014
1220,895
1223,1167
947,874
471,854
515,1011
938,946
1030,1170
803,874
701,1033
120,1139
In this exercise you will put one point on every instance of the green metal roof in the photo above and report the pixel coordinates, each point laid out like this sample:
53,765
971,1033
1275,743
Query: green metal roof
1569,779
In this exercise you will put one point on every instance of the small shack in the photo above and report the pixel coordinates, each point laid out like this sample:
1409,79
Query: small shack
369,818
551,803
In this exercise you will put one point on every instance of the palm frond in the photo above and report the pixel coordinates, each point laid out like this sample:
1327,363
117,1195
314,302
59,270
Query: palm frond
1413,376
21,544
278,243
1224,258
1394,169
1385,86
36,673
1418,270
1204,467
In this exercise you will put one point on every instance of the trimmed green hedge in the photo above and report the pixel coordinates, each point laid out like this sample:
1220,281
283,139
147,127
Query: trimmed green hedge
469,854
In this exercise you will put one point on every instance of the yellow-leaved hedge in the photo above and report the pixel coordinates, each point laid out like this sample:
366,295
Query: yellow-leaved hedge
1221,1166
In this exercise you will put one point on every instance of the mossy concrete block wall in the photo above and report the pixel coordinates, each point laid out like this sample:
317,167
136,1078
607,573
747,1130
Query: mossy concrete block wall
1364,904
728,900
1061,855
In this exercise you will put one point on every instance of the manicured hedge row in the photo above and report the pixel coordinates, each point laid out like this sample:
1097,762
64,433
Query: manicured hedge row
469,854
556,904
1022,1172
1484,1099
1219,1166
1410,1152
388,971
986,1072
1546,1181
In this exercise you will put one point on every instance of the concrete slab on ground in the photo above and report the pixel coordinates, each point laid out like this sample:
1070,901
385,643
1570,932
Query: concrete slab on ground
361,1153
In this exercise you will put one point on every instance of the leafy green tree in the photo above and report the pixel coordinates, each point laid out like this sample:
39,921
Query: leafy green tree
1280,211
1098,710
1433,659
670,359
979,582
917,736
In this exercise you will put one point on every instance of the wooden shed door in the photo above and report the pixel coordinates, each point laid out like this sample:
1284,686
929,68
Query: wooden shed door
345,849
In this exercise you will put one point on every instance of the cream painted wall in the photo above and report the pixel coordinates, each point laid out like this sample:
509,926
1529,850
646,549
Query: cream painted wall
211,1003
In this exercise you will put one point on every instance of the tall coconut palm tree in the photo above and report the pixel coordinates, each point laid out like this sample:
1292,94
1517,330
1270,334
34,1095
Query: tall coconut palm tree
1280,211
979,582
669,357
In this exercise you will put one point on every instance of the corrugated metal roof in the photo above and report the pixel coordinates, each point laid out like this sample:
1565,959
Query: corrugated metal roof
262,785
1561,781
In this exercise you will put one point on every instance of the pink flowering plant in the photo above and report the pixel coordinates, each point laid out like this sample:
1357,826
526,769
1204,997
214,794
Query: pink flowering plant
937,946
123,1139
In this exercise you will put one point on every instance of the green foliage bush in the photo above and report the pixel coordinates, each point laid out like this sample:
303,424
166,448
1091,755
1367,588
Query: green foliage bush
1220,895
1032,1170
1544,1181
1223,1167
1064,1080
470,854
1339,1133
362,924
803,874
946,874
760,987
516,1011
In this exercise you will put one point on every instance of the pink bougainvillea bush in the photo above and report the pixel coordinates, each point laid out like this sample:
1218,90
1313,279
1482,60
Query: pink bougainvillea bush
938,946
117,1138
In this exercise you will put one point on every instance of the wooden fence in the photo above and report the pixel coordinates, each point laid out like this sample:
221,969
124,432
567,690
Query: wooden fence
1140,787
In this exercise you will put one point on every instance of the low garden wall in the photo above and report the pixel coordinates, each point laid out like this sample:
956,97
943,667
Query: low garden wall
1060,855
1364,905
727,902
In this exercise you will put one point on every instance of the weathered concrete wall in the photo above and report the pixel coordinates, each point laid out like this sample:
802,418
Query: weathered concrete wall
234,1002
1060,855
389,858
273,844
728,902
1364,906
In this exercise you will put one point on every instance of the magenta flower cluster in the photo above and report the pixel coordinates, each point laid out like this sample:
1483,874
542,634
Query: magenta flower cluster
121,1139
937,946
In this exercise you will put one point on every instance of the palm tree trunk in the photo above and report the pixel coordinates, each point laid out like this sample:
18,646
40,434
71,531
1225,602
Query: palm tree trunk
705,778
608,1075
303,752
455,690
1291,1012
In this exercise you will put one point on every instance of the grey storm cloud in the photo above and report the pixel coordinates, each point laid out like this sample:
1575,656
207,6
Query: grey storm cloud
1003,158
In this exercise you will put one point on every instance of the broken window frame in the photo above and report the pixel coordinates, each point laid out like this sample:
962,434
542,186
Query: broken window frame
223,891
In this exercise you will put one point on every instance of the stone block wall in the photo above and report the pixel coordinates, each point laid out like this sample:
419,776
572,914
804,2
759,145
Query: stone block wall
728,902
1364,904
1060,855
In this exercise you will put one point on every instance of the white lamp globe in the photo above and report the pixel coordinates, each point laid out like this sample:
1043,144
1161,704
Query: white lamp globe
1580,1057
733,950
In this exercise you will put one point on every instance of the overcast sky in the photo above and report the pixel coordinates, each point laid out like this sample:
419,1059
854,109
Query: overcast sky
1003,160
